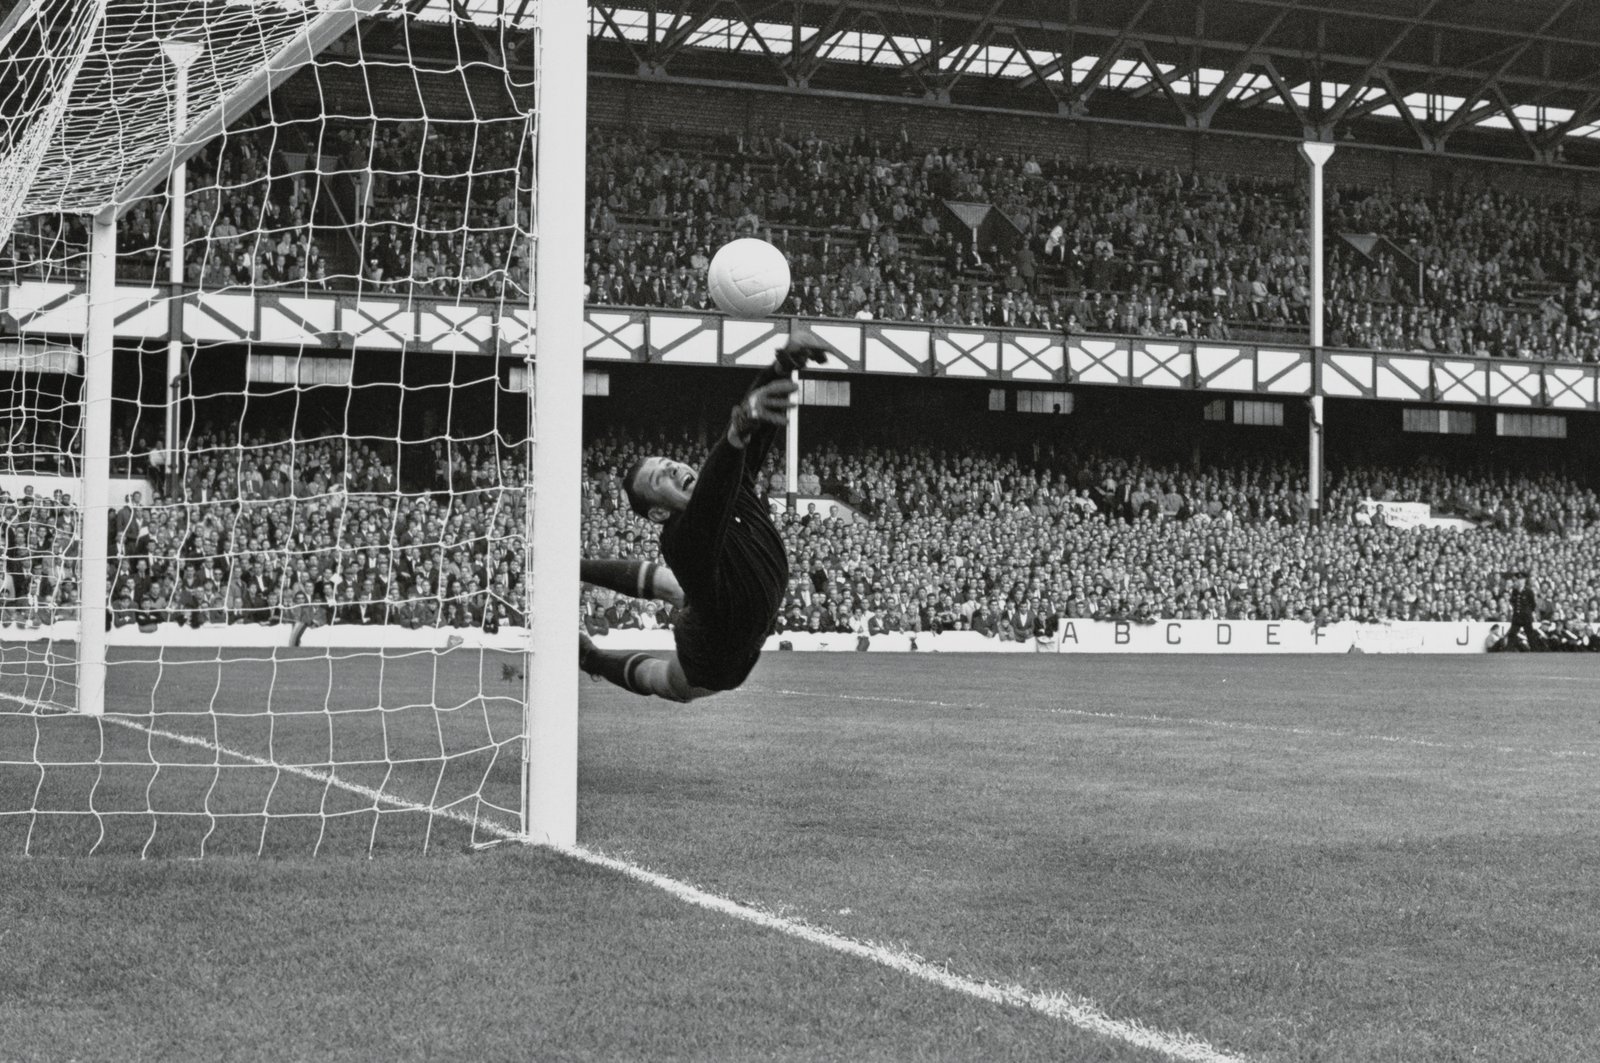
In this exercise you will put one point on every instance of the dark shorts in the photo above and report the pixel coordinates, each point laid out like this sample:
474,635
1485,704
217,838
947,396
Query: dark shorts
710,660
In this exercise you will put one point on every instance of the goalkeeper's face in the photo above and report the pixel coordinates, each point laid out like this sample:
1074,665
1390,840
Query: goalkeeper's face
663,486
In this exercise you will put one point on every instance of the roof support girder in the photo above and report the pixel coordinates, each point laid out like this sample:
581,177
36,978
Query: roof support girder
690,17
1047,50
1079,94
1285,53
1364,80
807,56
1163,81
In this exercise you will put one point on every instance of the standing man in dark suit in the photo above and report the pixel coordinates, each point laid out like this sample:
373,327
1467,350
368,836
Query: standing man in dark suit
1122,499
1524,606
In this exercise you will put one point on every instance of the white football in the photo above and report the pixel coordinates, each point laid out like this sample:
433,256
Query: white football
748,278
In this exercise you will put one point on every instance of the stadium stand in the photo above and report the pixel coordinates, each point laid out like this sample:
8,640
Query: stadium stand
886,231
306,531
316,533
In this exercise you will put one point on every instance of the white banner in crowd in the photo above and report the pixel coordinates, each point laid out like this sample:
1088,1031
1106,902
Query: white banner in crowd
1074,636
1406,515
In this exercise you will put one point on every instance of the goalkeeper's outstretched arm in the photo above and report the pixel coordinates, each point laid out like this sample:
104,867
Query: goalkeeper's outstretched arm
735,460
765,407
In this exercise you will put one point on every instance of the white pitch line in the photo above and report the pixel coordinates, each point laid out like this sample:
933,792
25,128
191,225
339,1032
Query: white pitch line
1078,1012
1198,721
1074,1010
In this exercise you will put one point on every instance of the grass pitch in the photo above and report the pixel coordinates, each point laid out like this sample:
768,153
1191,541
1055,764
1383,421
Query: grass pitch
1353,858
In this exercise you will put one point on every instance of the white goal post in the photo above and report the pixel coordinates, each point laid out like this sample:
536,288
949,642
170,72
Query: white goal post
551,791
377,270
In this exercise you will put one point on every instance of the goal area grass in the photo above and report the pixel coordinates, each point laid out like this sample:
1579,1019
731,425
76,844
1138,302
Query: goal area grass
270,752
1351,858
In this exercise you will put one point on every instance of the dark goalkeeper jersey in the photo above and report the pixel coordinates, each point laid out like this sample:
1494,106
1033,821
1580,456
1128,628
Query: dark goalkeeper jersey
730,561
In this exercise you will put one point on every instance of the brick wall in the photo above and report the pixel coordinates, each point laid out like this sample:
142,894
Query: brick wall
454,95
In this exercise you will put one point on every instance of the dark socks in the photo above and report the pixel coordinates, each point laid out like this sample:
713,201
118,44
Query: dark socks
618,666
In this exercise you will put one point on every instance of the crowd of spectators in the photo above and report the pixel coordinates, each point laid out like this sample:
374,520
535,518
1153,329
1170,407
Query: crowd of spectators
327,531
441,208
1487,273
448,207
868,234
316,531
248,223
954,539
1091,248
433,208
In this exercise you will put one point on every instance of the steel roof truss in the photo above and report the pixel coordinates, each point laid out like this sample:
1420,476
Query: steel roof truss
1424,137
608,19
1284,92
1240,66
969,49
1162,80
1541,35
752,33
1362,81
1585,113
380,34
689,17
808,53
490,48
908,63
1080,93
1516,121
1039,75
1285,52
1464,115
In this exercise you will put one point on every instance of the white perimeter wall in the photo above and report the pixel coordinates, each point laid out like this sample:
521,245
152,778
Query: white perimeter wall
46,485
1075,636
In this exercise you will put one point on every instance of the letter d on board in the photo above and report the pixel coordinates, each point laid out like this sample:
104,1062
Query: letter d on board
1224,634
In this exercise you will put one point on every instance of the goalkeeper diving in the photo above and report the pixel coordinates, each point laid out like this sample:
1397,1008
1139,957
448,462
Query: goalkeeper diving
726,569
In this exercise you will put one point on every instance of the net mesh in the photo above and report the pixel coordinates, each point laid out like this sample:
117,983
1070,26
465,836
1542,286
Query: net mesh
43,46
39,521
317,542
118,119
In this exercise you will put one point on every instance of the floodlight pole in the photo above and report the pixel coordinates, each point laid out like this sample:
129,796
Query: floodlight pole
791,455
182,55
550,765
94,432
1316,154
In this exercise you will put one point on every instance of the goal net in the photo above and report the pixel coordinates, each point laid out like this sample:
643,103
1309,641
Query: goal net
267,365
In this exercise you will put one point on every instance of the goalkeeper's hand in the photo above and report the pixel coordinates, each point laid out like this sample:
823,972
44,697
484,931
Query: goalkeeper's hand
768,404
802,349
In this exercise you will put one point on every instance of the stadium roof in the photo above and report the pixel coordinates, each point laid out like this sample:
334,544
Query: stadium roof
1436,73
1530,68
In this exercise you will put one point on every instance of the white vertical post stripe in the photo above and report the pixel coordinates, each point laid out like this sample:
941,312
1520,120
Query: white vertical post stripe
95,435
181,54
1316,154
551,788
